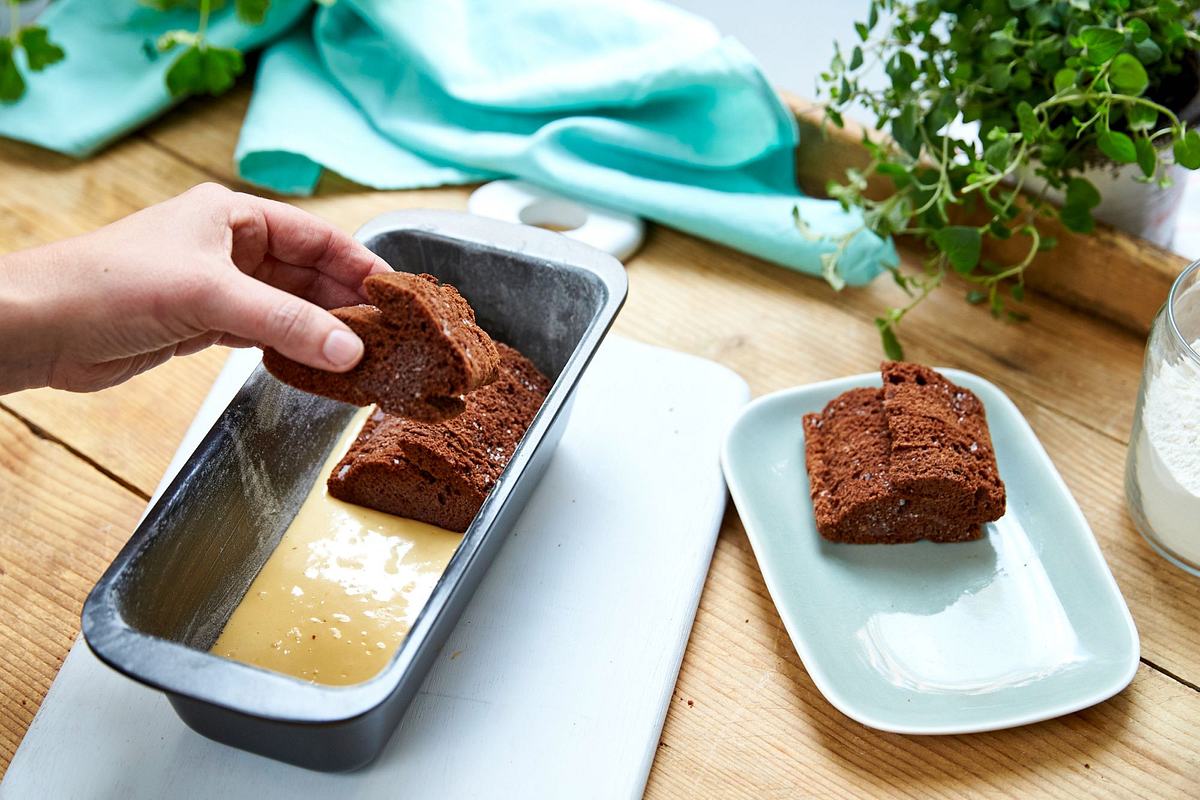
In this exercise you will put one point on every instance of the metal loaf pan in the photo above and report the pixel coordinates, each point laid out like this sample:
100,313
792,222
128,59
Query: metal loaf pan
162,603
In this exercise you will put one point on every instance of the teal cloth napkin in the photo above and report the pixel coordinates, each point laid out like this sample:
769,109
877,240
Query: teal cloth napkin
638,106
631,104
107,86
300,123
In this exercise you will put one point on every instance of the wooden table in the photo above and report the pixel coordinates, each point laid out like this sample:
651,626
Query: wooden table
746,720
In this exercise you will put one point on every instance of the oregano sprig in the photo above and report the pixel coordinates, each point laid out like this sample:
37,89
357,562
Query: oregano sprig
200,68
32,40
1052,86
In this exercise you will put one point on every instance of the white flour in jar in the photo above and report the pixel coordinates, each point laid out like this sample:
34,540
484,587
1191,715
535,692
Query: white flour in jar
1168,457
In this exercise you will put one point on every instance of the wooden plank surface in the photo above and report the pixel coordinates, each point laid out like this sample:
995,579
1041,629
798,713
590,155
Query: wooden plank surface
97,426
755,725
52,549
746,721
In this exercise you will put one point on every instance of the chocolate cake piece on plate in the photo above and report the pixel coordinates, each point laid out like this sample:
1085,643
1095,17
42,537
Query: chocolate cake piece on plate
442,472
912,460
422,351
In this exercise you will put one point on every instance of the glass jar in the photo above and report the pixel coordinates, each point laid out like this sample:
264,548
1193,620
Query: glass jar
1162,471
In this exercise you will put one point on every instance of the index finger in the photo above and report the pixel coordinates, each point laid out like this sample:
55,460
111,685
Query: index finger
306,240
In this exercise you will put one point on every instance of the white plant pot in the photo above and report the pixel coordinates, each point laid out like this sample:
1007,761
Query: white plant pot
1143,209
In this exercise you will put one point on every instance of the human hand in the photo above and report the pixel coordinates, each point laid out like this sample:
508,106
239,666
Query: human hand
210,266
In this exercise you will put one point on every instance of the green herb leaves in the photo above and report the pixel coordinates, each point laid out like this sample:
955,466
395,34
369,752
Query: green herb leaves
1147,157
1187,150
39,51
1100,44
252,12
960,245
1141,117
1065,79
204,69
12,85
1117,146
904,131
1127,75
998,152
887,335
1081,198
1081,192
1027,121
1053,86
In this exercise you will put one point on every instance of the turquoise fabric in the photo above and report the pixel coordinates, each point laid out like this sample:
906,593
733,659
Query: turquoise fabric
281,148
107,86
638,106
632,104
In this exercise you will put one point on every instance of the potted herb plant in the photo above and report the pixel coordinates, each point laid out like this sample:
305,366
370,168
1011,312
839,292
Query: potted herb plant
1002,112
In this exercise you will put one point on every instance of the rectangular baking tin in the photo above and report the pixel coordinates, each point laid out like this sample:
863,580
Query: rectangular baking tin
162,603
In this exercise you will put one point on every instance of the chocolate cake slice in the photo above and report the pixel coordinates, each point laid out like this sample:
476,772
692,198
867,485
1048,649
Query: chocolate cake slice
442,472
910,461
422,351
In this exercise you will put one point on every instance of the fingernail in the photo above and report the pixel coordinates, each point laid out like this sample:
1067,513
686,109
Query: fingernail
342,348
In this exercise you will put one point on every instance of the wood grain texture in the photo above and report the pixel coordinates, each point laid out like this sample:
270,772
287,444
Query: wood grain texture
756,726
45,197
1106,273
63,523
97,425
780,328
747,721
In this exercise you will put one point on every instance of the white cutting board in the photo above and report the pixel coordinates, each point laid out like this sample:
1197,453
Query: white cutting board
555,682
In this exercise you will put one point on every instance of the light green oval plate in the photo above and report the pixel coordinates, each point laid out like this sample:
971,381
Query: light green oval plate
1023,625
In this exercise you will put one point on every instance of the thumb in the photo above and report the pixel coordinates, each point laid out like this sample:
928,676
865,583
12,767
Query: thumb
298,329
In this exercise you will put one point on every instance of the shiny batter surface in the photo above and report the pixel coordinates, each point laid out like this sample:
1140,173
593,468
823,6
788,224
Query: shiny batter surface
340,592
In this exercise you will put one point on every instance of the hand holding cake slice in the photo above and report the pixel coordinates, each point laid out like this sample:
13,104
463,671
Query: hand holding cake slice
912,460
422,351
